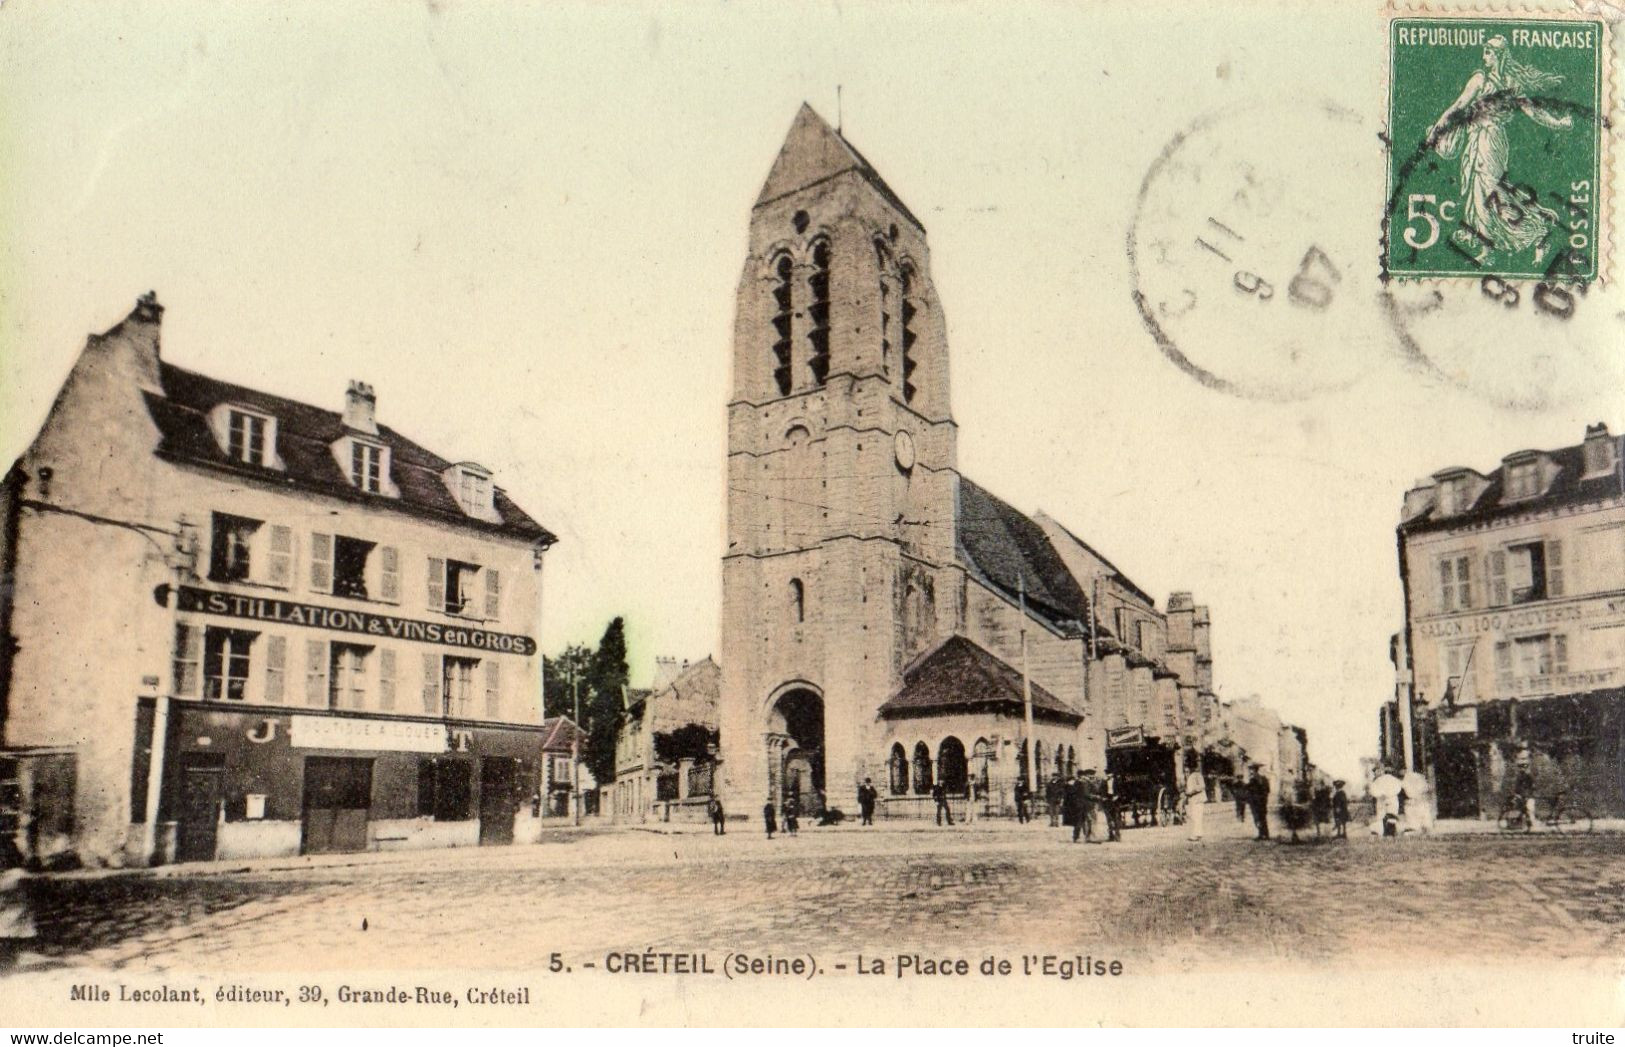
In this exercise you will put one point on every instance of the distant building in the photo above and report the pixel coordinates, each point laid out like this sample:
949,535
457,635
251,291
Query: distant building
665,748
1513,651
237,625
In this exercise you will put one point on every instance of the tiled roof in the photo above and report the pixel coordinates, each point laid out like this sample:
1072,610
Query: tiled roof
559,733
960,675
1567,487
1123,579
1005,548
304,435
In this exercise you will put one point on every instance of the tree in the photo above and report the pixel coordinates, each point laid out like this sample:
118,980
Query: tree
572,662
606,678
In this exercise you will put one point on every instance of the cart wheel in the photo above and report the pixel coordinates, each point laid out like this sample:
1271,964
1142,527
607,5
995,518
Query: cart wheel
1574,820
1513,821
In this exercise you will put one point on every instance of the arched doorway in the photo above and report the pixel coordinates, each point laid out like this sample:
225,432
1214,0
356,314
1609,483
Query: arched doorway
796,749
922,769
898,767
951,765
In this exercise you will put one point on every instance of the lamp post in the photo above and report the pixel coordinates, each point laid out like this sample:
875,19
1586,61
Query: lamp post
575,751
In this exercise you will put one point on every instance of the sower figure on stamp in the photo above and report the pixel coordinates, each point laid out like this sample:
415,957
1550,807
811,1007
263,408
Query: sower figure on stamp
866,802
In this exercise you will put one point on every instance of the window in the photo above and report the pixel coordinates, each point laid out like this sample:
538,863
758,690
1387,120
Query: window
1522,479
225,663
922,769
230,556
246,437
1535,571
798,601
473,492
1455,584
347,676
1503,665
444,791
350,566
1543,655
1453,496
1454,664
782,272
366,466
818,313
905,280
883,264
451,585
457,686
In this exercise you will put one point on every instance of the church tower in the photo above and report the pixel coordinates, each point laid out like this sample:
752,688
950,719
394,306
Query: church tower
840,560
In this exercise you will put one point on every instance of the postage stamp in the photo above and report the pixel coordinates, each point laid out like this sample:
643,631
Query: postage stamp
1494,167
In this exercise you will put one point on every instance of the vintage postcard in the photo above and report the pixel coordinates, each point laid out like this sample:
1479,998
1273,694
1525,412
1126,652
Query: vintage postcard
547,514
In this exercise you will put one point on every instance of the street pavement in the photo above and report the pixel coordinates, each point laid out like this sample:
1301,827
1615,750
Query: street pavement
1155,899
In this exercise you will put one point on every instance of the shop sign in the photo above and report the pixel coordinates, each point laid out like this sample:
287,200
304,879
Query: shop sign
381,626
1459,721
1124,737
343,732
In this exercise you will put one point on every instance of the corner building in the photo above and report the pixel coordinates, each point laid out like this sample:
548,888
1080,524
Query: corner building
243,626
871,594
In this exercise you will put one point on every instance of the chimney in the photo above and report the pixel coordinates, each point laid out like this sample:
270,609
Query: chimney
361,408
134,343
1599,450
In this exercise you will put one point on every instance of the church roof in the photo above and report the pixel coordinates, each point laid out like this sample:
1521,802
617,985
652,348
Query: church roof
1006,549
960,675
815,152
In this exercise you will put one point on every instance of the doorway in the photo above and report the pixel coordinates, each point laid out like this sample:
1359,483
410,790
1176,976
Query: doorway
338,800
1457,773
499,777
199,824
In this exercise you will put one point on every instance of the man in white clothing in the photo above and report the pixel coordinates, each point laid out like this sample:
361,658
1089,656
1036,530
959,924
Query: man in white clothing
1195,797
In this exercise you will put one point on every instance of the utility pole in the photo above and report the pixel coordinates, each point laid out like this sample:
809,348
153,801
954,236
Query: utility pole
575,751
1026,686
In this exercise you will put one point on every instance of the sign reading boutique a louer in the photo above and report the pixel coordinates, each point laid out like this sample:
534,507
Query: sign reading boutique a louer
382,626
335,732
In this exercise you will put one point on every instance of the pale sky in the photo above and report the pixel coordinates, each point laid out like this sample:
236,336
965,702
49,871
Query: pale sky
524,226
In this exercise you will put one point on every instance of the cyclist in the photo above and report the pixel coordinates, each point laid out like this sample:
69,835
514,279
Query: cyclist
1523,795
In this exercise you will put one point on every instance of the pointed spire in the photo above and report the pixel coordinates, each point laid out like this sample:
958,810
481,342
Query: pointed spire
812,152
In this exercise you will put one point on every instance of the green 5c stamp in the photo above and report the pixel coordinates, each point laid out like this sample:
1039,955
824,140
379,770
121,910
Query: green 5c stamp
1495,148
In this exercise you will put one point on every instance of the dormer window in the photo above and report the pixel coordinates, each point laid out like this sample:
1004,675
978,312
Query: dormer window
366,466
245,436
473,491
1454,495
1522,479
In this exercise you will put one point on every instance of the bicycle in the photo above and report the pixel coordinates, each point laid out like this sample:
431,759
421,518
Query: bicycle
1562,816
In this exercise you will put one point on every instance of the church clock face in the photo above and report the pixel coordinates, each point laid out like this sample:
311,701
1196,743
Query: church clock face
903,448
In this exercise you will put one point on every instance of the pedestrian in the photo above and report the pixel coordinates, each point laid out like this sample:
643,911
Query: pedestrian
1258,799
1320,806
1195,797
1021,800
1340,811
1523,789
1054,797
1075,805
866,802
792,815
940,795
769,818
1238,793
16,913
970,802
1385,789
718,822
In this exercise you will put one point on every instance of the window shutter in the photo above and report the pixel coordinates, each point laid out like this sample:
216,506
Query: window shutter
431,683
493,594
1498,577
1560,654
386,679
1554,568
276,665
315,673
389,574
1464,582
437,584
279,567
188,652
1447,586
321,562
493,688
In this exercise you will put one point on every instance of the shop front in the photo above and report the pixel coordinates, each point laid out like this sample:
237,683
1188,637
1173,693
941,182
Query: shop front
263,782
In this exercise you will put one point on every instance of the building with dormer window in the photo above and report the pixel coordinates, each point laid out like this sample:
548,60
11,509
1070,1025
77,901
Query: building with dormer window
238,625
1514,641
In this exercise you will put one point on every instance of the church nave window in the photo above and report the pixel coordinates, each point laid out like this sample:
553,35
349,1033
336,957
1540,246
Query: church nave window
782,271
818,313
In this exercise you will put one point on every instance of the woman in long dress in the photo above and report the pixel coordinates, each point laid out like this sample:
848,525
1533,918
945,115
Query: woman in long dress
1475,125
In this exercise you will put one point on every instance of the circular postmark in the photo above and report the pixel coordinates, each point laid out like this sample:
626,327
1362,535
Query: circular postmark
1244,249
